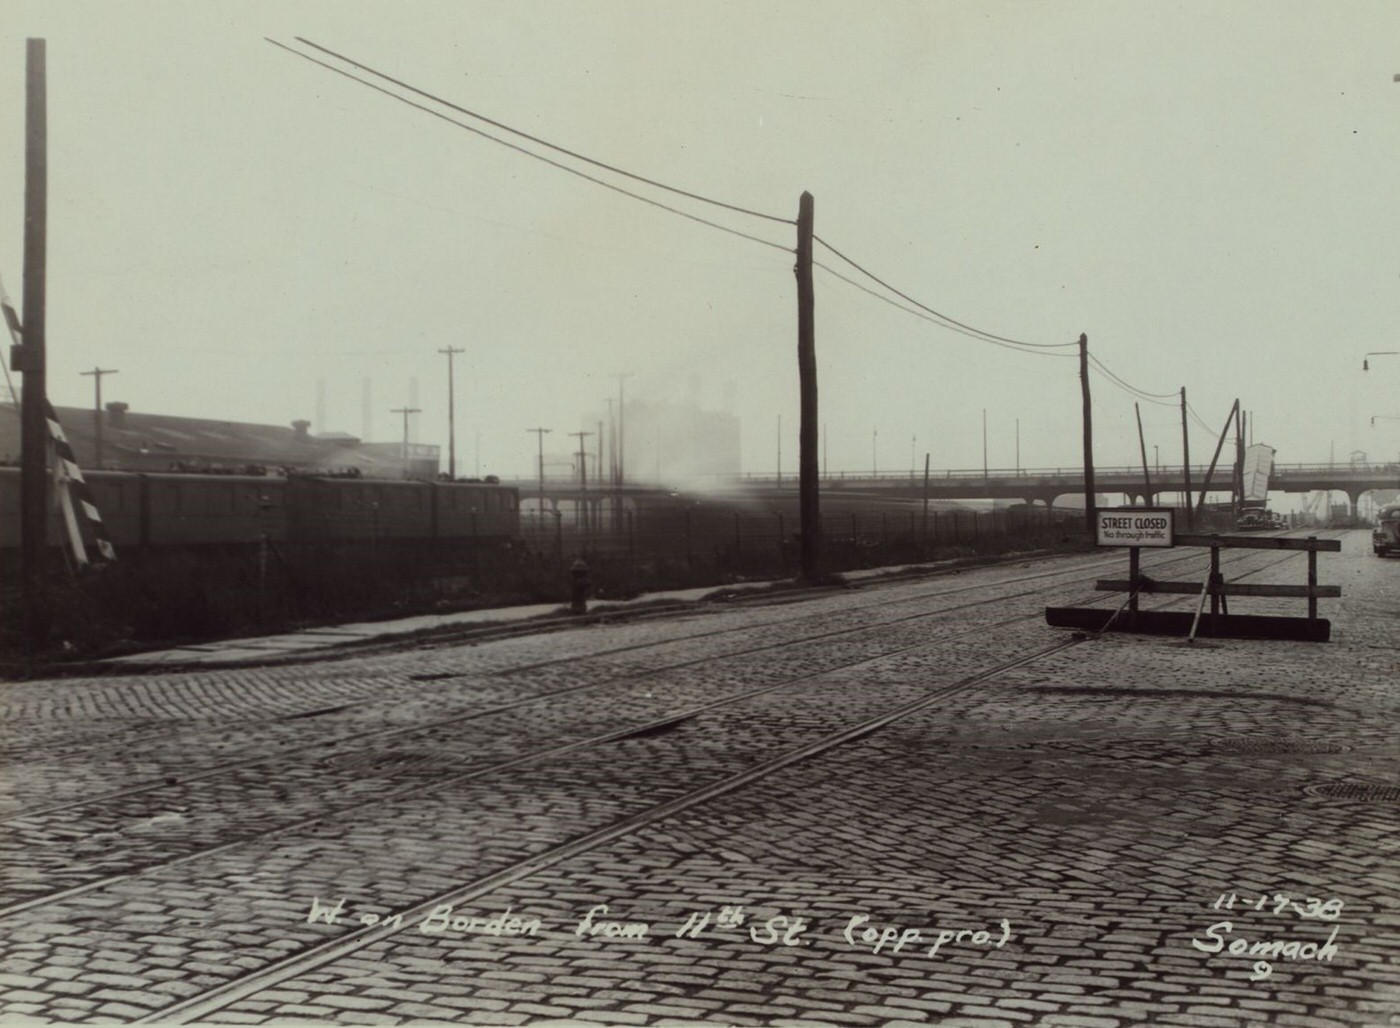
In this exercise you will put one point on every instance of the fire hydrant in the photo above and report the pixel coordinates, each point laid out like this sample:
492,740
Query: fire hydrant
578,587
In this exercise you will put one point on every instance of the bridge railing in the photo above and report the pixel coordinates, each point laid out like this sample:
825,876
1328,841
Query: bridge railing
1223,472
1115,474
1284,470
977,474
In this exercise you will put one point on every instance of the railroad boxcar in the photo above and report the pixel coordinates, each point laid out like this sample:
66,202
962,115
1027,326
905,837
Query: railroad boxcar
211,510
179,509
140,510
476,510
339,509
334,510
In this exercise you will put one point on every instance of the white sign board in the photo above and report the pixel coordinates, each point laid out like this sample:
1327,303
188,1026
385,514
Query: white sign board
1134,526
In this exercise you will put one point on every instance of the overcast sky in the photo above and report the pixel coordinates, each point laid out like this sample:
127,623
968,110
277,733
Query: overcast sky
1210,191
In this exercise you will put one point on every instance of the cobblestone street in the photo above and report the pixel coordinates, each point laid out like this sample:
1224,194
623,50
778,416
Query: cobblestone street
910,802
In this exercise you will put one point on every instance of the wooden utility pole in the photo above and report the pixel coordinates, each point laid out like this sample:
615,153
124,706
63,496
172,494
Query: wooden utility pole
540,433
1186,463
29,357
1142,445
984,445
451,414
1238,489
582,458
406,411
619,443
809,486
97,374
1219,445
924,533
582,476
1088,434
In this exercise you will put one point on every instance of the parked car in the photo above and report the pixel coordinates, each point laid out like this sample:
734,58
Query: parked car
1385,537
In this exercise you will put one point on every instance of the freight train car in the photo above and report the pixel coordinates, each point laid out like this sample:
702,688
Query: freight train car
177,509
335,510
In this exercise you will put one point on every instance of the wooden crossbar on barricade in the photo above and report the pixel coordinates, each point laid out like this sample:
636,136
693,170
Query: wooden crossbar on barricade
1220,623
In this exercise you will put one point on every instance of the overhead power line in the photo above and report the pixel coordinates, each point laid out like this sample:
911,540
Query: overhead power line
539,157
914,306
1198,419
977,332
943,323
1161,399
542,142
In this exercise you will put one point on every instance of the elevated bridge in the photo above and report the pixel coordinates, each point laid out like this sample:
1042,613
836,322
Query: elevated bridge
1028,485
1045,485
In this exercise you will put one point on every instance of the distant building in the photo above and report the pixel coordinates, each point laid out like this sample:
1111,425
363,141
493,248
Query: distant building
134,441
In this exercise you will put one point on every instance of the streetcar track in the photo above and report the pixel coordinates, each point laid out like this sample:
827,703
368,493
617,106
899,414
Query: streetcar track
666,722
221,996
388,733
381,735
658,724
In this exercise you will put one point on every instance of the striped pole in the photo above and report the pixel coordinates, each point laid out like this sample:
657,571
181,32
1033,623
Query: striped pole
71,475
66,470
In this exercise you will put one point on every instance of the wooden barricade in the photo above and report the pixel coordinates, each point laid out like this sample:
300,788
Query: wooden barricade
1219,623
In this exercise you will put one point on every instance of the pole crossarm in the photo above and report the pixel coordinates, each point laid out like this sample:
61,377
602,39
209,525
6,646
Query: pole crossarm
406,411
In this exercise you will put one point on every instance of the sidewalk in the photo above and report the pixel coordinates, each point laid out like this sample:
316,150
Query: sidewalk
306,641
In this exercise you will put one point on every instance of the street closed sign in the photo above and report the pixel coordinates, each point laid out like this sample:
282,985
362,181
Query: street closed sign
1134,526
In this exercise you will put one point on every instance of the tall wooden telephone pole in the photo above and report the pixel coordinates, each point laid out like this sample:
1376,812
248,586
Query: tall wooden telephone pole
1186,463
97,374
451,351
807,468
29,357
1089,522
406,411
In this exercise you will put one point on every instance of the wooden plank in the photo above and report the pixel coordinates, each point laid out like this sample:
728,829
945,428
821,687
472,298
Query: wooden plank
1123,585
1254,542
1178,623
